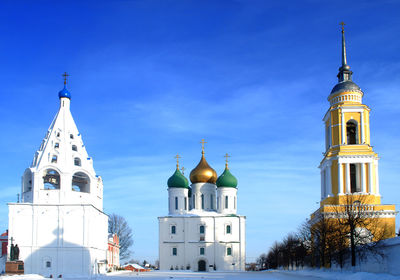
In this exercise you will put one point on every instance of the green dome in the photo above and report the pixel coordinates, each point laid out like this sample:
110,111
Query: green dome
177,180
227,179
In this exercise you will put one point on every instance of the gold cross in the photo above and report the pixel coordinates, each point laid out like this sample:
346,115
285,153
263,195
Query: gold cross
342,24
65,75
183,170
226,156
202,145
177,160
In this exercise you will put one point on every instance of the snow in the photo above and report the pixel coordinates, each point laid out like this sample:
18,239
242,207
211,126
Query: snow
311,274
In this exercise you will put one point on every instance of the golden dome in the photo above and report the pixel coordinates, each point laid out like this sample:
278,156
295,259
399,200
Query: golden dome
203,173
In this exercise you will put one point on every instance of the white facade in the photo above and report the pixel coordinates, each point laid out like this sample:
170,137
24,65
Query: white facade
59,225
204,235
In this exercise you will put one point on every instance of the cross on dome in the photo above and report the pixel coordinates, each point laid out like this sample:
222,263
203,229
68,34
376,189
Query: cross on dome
226,156
177,160
202,145
65,75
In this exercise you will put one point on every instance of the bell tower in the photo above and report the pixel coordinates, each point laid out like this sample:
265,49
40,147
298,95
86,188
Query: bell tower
349,166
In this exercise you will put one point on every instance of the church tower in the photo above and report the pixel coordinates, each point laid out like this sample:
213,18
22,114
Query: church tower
59,225
349,168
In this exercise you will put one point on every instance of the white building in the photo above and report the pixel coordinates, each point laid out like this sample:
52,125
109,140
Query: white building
59,225
202,231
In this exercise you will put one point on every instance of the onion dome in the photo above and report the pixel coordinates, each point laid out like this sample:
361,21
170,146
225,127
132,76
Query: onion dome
64,93
203,173
178,180
226,179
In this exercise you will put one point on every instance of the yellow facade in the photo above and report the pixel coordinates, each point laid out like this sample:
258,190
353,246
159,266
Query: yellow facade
349,167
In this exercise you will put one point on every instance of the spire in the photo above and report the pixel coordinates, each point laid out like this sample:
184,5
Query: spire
344,70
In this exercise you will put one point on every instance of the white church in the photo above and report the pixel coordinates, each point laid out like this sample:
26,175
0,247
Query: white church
202,231
59,225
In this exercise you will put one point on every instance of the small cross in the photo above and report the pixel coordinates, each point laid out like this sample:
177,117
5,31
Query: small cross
183,170
202,145
65,75
342,24
226,156
177,160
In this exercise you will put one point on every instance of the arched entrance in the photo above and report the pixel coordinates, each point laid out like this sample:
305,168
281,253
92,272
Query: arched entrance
202,265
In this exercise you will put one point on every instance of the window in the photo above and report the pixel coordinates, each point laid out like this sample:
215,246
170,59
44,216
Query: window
80,182
77,161
51,180
351,127
354,186
218,204
54,159
202,201
74,148
173,229
71,136
194,201
176,203
185,202
48,264
202,250
226,202
56,145
58,134
211,201
202,229
174,251
234,201
229,251
228,229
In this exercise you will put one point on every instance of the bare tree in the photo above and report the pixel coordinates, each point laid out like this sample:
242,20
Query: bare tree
117,224
359,222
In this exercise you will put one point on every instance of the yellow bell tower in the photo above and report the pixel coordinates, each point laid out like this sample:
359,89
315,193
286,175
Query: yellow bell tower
349,167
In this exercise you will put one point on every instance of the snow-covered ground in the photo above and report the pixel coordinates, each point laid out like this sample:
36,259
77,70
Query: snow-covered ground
269,275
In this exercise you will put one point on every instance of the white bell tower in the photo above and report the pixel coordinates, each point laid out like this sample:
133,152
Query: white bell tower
59,225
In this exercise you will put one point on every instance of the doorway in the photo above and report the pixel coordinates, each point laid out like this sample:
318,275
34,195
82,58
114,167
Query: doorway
202,265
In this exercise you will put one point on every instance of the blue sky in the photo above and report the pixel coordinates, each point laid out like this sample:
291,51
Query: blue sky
150,79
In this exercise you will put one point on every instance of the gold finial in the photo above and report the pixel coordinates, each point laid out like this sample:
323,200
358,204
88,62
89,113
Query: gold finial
177,160
202,145
342,24
183,170
226,156
65,75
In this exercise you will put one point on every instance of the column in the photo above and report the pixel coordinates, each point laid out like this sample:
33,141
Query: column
322,184
329,179
348,190
362,128
376,178
363,179
370,178
343,129
340,179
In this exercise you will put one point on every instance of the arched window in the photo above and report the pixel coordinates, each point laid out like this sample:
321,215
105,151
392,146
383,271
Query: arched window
74,148
211,201
202,201
51,180
202,229
228,229
226,202
56,145
77,161
352,137
185,202
80,182
173,229
176,203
